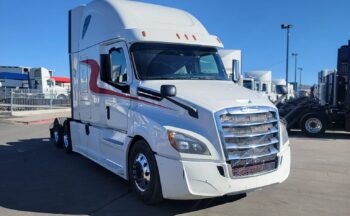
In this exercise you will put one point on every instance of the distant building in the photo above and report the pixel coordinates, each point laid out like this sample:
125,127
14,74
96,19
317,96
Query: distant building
62,81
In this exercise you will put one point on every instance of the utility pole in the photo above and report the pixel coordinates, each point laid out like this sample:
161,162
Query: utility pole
295,55
300,70
288,27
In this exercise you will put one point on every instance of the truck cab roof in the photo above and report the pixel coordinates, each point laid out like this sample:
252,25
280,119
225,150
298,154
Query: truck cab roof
103,20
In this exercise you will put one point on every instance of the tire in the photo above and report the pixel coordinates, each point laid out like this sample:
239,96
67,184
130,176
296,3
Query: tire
57,134
66,138
62,97
143,173
313,125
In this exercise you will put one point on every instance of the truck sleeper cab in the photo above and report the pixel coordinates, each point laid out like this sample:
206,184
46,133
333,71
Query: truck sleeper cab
153,104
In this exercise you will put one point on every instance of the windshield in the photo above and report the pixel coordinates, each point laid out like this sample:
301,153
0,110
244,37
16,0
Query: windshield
279,89
166,61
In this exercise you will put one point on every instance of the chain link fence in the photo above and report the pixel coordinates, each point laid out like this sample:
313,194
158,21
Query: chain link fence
27,99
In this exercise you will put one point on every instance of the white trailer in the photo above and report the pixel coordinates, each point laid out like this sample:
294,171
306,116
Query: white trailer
151,104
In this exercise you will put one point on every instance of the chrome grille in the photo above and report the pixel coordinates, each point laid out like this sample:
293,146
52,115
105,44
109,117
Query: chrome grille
250,136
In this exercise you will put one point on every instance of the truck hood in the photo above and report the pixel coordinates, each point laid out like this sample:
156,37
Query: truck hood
213,95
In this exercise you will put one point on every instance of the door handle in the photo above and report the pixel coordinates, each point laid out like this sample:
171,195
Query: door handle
108,112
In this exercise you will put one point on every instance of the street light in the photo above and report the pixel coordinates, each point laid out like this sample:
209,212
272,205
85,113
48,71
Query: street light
295,55
287,26
300,70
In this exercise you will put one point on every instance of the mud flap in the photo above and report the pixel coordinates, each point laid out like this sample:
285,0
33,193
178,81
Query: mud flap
347,122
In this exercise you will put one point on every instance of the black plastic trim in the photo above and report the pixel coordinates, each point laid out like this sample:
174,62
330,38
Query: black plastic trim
149,94
191,111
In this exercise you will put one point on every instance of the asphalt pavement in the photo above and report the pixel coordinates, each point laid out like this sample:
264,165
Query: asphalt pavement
37,178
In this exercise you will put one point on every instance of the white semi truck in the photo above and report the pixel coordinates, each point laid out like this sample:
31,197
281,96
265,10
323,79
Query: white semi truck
260,81
153,104
278,85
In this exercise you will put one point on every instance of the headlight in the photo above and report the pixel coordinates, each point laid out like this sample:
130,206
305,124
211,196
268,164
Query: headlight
187,144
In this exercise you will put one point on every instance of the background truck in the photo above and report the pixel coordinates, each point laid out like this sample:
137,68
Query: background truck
260,81
227,57
153,103
278,85
329,106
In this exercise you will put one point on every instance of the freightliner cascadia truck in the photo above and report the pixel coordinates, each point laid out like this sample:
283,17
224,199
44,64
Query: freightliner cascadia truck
152,103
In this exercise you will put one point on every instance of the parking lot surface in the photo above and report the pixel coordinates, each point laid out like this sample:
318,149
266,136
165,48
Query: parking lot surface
37,178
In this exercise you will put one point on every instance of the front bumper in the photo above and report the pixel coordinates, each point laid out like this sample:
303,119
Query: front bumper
199,179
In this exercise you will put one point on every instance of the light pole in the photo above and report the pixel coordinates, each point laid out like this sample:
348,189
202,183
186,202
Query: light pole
288,27
300,70
295,55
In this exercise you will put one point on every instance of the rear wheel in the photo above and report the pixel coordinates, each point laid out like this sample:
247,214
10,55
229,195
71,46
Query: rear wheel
56,134
313,125
62,97
67,142
143,173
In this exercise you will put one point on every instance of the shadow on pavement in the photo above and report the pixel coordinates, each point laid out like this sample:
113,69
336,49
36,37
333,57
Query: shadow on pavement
35,176
327,135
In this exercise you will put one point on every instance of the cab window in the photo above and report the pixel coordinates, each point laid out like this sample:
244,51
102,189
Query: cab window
118,67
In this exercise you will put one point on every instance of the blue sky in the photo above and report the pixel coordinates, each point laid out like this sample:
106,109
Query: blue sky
34,32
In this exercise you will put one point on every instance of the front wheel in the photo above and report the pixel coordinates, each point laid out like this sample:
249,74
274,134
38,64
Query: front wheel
313,125
143,173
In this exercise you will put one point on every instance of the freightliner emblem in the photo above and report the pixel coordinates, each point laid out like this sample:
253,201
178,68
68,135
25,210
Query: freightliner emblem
249,109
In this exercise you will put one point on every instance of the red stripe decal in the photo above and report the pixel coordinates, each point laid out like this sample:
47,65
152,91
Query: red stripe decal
95,70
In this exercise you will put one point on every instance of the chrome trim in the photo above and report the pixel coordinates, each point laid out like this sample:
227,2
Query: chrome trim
113,141
249,110
237,146
232,157
271,131
230,124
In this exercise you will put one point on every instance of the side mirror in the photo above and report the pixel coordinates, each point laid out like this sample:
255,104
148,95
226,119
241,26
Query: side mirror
235,71
167,91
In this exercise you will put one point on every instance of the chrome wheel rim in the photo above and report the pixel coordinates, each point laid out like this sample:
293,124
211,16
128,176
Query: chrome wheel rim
141,172
55,136
313,125
65,141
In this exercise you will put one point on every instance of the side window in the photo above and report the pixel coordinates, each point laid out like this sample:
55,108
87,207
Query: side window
264,87
118,67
